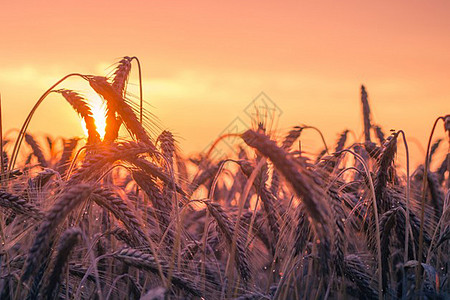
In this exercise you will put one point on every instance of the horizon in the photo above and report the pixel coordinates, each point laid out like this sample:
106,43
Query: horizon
202,68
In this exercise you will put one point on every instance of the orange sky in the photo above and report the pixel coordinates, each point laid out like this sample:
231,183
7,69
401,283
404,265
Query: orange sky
204,61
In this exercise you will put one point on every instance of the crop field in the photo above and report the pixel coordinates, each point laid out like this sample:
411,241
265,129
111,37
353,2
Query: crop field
127,215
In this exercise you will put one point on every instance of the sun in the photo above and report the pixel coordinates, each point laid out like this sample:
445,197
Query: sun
98,109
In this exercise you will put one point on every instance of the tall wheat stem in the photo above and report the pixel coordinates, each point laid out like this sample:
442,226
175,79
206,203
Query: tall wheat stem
408,191
30,115
377,224
422,207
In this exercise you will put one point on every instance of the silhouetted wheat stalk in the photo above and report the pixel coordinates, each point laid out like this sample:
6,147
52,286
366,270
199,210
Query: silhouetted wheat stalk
280,223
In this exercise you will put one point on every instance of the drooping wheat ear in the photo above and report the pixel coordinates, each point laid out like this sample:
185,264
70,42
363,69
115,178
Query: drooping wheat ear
366,114
108,153
144,261
226,226
67,201
292,136
63,163
384,171
414,221
41,179
340,237
25,125
258,229
434,147
123,236
68,241
442,169
80,105
355,271
117,101
302,231
300,178
437,194
19,205
387,222
36,284
267,199
188,253
162,206
168,149
37,151
341,142
37,183
80,271
109,200
379,133
154,170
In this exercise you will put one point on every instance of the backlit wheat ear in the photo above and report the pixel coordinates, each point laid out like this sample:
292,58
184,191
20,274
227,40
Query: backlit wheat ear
434,148
154,170
167,143
80,105
104,89
366,114
384,169
112,202
341,142
267,199
37,151
379,133
119,82
121,74
340,239
302,181
64,161
105,154
292,136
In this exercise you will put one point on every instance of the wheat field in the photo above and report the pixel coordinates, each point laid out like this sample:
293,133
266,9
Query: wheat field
128,216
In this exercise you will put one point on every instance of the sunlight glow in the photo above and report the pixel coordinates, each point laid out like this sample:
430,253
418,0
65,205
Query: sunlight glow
98,109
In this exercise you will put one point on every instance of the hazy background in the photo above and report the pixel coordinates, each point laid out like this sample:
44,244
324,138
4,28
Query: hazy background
204,61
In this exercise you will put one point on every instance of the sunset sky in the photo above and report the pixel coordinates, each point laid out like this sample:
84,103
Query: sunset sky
204,61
